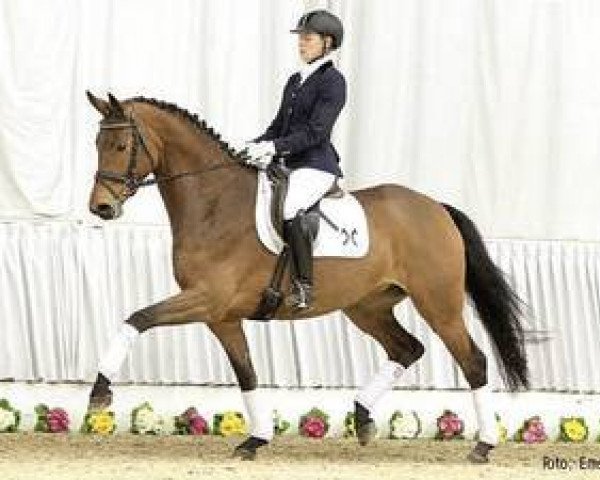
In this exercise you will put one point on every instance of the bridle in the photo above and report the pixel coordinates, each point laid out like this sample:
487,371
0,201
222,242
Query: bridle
129,179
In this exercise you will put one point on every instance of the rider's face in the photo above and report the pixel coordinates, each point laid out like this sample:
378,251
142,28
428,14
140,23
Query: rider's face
311,45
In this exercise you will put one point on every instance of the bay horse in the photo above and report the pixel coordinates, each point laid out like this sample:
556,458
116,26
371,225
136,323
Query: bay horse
419,248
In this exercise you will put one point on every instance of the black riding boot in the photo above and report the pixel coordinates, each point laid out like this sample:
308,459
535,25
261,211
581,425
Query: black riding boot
297,236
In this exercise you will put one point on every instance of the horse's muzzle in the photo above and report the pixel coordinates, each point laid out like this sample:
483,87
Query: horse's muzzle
107,211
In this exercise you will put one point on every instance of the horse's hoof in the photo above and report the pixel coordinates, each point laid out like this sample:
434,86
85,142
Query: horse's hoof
247,449
100,402
365,433
244,453
479,454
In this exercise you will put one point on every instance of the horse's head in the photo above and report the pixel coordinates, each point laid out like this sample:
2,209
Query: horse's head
125,157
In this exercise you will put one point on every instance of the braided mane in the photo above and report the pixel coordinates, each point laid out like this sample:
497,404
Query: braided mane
193,119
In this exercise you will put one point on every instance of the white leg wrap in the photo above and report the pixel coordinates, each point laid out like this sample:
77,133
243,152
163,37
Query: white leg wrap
120,345
486,418
260,414
381,382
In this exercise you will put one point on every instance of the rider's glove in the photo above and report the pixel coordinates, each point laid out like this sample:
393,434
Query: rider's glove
260,154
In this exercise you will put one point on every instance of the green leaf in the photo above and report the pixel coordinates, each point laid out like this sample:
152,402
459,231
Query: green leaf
41,426
41,409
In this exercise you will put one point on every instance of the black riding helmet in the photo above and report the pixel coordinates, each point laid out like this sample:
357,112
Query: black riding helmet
323,22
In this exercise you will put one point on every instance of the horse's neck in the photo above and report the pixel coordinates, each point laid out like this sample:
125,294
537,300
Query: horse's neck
207,208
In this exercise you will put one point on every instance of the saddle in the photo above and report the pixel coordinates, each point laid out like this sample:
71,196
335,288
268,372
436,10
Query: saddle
279,175
336,223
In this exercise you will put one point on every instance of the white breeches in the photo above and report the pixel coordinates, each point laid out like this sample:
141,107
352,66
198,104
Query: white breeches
306,187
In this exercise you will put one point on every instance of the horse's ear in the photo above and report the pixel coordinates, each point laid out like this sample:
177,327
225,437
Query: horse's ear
101,105
115,106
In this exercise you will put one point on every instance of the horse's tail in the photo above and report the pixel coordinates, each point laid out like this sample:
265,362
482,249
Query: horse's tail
498,305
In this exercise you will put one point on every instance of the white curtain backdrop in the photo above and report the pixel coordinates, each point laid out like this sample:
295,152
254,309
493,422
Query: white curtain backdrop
491,105
60,305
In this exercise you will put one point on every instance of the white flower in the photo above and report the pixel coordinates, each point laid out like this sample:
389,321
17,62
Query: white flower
405,426
165,425
145,421
7,419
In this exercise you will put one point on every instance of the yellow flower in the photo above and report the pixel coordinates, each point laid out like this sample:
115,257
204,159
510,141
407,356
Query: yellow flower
230,416
227,428
232,426
574,430
502,432
102,423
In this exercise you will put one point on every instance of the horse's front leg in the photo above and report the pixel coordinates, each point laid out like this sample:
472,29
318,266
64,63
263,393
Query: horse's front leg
186,307
258,406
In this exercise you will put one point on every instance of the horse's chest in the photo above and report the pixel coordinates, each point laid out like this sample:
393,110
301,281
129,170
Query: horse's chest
183,269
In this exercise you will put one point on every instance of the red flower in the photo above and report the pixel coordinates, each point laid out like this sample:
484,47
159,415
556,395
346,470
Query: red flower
58,420
449,425
313,427
198,426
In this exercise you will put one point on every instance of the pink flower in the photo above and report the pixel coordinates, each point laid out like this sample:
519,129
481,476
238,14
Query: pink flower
190,413
198,426
534,430
444,424
529,437
313,427
456,424
58,420
537,427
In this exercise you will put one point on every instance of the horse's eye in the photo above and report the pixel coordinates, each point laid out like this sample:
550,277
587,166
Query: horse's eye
121,147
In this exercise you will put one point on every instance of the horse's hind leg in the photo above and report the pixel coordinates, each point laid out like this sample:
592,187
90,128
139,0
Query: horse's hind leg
441,305
374,316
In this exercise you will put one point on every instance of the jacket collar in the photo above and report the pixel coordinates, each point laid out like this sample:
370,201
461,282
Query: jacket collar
308,69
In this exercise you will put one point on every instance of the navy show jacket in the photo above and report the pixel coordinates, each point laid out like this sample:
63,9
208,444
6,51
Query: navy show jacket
301,131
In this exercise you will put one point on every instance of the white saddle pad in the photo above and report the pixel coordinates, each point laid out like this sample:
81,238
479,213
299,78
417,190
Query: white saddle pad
351,240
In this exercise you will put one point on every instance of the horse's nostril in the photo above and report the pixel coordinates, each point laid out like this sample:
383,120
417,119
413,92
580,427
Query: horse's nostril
105,211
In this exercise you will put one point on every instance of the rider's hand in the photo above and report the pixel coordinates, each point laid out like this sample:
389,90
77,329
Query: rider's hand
260,154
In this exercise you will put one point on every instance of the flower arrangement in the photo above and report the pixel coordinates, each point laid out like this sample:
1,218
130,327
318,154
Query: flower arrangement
573,429
405,425
314,424
51,420
229,423
350,425
10,418
532,431
100,422
145,421
280,426
191,422
450,426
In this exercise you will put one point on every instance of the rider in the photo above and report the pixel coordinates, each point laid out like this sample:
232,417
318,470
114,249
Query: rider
300,133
